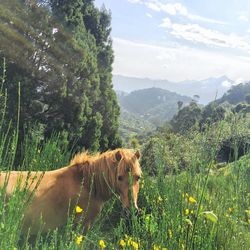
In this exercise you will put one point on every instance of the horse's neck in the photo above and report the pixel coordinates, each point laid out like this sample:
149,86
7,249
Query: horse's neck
102,186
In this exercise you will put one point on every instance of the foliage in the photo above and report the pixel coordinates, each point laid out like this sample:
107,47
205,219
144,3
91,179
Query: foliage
64,70
185,210
131,126
236,94
211,114
186,118
223,141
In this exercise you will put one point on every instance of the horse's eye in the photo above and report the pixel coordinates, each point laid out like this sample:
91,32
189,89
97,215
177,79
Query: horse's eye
137,178
120,178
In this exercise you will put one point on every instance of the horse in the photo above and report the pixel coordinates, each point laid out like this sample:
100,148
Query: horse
79,189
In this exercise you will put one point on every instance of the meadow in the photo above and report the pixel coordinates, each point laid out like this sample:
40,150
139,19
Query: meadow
200,207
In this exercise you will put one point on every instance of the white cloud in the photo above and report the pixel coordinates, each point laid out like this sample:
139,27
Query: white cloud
174,9
136,1
176,63
239,80
243,18
226,83
198,34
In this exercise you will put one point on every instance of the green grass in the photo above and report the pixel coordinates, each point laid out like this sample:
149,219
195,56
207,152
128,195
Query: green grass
204,209
217,219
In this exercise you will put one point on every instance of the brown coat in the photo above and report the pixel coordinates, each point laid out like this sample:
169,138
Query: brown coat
87,182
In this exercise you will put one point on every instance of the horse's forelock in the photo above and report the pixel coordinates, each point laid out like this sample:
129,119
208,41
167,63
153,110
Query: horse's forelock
129,162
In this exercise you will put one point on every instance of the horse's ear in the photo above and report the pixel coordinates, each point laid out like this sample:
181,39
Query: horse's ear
118,155
138,154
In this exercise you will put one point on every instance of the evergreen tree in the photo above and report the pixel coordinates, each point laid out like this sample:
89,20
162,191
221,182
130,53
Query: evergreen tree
63,60
98,24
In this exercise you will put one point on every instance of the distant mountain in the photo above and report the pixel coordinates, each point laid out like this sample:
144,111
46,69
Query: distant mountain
208,89
153,105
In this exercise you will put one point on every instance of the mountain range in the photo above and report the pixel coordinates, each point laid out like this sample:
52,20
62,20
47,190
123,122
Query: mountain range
208,90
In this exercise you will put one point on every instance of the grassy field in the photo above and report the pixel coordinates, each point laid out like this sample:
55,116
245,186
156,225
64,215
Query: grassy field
200,207
190,210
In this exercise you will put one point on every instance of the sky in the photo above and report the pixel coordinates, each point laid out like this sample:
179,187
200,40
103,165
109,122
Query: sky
181,40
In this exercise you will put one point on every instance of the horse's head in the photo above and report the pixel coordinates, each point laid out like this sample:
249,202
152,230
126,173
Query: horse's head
128,176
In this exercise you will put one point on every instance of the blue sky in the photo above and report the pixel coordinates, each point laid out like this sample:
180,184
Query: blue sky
180,40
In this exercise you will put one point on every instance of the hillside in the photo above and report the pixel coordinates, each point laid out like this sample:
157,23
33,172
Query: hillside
154,105
207,89
236,94
133,126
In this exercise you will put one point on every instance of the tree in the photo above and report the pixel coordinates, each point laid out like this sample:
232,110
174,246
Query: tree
236,94
64,69
196,98
210,114
179,103
39,58
82,15
186,118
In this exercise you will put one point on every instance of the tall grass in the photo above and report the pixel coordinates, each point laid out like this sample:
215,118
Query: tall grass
208,209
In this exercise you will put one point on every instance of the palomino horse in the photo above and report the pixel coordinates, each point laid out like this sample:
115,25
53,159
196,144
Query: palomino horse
87,183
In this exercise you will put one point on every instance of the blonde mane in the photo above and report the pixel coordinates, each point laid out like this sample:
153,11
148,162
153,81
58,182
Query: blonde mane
100,171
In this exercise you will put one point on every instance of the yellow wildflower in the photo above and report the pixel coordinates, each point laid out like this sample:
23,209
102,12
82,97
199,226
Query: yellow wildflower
155,247
79,239
170,233
129,242
247,212
183,246
230,210
159,199
142,184
78,209
135,245
192,199
102,244
186,211
122,243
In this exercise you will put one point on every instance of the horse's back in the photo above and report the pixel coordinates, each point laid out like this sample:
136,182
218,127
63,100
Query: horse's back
12,180
41,187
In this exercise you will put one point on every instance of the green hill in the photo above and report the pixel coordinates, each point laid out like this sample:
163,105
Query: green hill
154,105
236,94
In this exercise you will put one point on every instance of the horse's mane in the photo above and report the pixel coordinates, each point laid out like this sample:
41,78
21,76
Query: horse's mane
100,170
